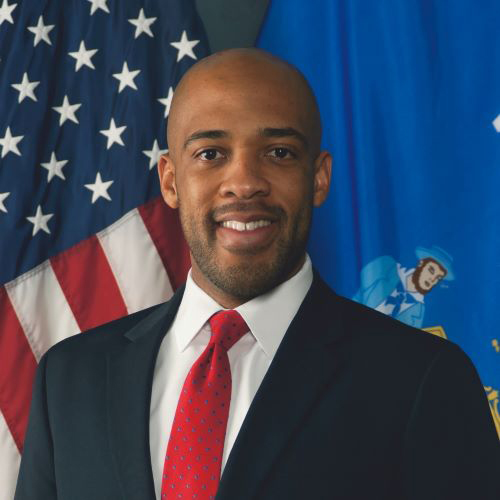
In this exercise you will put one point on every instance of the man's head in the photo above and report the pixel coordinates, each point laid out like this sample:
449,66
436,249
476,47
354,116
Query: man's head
427,275
244,168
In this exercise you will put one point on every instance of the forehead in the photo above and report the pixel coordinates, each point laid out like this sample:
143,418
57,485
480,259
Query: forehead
435,264
240,102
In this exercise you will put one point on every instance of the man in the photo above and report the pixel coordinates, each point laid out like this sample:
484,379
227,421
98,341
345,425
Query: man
388,287
255,381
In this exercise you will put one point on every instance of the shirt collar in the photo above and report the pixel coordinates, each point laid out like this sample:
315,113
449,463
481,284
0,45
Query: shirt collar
268,316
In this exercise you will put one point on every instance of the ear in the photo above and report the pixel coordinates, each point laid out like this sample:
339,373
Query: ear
322,177
166,172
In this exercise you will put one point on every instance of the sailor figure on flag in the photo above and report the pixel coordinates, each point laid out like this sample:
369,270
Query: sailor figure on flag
396,291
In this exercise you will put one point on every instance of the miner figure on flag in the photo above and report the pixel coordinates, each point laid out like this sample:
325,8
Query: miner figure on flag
399,292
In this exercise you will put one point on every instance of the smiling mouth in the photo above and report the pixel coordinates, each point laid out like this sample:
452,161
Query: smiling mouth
243,237
245,226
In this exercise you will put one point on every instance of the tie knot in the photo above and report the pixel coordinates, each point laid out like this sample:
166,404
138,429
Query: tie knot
227,328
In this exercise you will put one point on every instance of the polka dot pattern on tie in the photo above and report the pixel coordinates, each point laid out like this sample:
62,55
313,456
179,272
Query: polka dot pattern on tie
194,452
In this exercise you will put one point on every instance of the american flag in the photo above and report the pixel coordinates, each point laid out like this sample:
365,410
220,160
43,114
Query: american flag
85,91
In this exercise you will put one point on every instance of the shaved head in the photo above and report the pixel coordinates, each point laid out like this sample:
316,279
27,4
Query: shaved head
252,68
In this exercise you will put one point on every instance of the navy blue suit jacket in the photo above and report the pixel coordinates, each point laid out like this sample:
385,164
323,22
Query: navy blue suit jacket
355,405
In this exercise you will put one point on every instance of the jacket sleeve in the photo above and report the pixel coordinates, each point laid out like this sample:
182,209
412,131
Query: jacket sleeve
451,448
36,480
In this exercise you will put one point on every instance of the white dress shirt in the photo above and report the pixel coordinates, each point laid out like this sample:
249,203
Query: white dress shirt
268,317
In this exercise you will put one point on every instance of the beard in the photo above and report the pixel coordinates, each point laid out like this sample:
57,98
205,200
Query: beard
246,280
416,281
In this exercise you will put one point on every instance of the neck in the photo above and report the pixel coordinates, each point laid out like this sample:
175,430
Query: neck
410,285
225,300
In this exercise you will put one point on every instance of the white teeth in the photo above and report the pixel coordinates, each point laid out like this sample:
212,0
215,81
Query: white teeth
241,226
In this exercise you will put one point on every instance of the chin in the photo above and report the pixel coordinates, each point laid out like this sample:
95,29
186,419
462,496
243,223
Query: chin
245,280
248,276
423,289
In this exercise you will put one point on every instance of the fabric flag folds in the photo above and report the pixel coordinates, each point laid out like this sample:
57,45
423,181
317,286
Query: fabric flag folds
85,91
410,100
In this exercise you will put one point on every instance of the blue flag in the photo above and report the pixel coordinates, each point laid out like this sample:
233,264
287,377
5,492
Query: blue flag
410,100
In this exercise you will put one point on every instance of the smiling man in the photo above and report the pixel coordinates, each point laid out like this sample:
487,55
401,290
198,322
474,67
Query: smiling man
255,381
245,169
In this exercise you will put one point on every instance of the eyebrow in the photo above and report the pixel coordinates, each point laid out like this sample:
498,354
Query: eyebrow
271,132
284,132
205,134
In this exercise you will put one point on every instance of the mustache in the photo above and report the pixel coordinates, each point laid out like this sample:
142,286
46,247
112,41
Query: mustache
273,211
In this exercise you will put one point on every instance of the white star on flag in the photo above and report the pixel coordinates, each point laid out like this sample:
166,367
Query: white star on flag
54,167
67,111
41,32
113,133
39,221
142,24
167,101
126,77
3,197
26,88
99,188
98,4
83,56
185,47
496,123
9,143
6,12
154,154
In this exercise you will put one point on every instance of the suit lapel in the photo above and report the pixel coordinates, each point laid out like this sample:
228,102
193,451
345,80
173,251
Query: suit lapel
303,367
130,369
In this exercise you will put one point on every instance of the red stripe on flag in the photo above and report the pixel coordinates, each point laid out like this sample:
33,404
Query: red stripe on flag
165,230
88,284
17,371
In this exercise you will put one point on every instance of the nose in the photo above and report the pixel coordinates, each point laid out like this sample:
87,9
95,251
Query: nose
434,278
244,178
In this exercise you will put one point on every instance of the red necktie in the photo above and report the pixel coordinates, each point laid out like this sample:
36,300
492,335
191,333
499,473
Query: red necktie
194,452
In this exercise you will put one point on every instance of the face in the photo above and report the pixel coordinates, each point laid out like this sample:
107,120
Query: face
428,275
241,172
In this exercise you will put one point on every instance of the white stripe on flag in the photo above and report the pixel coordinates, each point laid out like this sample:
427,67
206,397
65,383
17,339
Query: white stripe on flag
136,265
42,308
9,462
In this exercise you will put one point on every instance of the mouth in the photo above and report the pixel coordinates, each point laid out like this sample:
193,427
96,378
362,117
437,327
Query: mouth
246,234
241,226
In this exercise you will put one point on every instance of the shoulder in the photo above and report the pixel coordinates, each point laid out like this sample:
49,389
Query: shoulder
394,360
113,335
380,264
114,332
84,357
374,334
380,269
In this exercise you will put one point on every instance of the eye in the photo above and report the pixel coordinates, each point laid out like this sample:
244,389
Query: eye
210,155
281,153
432,270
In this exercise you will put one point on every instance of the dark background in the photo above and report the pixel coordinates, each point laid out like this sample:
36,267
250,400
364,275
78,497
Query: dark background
231,23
